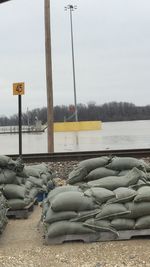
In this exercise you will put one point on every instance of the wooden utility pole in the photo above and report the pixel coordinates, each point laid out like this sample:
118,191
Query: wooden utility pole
50,120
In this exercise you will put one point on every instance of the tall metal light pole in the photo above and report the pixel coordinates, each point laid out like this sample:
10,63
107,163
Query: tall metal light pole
50,120
71,8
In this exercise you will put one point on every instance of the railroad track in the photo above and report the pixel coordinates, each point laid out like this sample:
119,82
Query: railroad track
68,156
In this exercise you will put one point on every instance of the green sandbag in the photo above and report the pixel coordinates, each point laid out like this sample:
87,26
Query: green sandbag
4,160
113,182
123,224
32,193
139,184
46,177
52,216
82,216
111,211
77,175
143,222
61,189
91,164
42,167
100,173
123,194
3,201
19,180
31,171
16,165
22,173
67,228
137,209
100,225
14,191
84,167
127,163
2,177
36,181
122,173
72,201
101,195
9,176
18,204
28,185
143,194
45,207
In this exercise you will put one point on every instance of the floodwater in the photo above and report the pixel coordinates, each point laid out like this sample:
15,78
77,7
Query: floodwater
113,135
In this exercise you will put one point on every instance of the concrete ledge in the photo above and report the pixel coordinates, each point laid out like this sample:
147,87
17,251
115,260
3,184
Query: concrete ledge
77,126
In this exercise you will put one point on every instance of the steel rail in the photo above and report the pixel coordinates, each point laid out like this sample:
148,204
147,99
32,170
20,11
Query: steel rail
70,156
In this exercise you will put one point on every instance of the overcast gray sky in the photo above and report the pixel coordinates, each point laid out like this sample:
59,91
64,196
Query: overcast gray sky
112,52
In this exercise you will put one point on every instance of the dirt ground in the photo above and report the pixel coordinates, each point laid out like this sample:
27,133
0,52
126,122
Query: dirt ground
21,245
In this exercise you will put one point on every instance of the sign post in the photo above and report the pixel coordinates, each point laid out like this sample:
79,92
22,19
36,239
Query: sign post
18,89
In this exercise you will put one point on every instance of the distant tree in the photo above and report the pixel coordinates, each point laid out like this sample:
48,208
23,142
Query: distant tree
112,111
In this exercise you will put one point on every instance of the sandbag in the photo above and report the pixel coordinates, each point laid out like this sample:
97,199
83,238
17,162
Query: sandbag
139,184
14,191
100,225
85,215
137,209
46,177
143,222
122,224
113,182
22,173
127,163
91,164
67,228
42,167
32,193
111,211
101,195
61,189
123,194
52,216
2,177
143,194
9,176
16,165
100,173
72,201
122,173
31,171
19,180
4,160
45,207
17,204
77,175
36,181
28,185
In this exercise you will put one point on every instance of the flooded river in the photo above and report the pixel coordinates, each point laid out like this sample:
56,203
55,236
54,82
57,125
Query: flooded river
113,135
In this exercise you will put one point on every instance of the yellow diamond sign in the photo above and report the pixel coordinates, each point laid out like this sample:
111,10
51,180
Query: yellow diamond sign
18,88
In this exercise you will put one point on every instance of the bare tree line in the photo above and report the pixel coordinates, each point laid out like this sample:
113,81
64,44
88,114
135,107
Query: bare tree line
113,111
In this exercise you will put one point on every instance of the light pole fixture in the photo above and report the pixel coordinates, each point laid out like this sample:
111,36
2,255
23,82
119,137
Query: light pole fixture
2,1
71,8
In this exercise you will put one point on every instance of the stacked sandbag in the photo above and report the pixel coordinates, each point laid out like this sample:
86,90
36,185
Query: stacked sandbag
3,212
62,205
103,194
20,184
39,176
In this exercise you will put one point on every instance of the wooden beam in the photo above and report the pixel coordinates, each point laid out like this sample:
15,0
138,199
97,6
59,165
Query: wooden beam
50,129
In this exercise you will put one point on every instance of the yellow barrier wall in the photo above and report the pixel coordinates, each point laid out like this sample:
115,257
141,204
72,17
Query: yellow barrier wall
77,126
